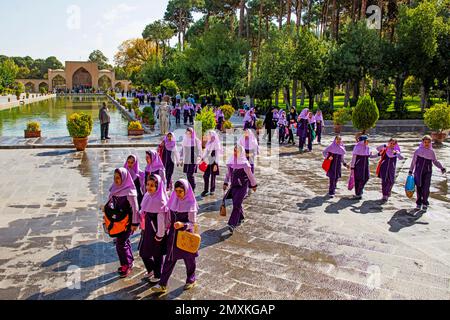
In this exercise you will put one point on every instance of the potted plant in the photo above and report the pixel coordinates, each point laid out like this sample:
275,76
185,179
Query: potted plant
227,125
129,106
135,129
259,126
135,102
152,123
365,115
80,128
33,130
147,114
340,118
437,118
228,111
123,101
207,118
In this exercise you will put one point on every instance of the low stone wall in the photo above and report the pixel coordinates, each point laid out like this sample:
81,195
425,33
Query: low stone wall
17,103
126,113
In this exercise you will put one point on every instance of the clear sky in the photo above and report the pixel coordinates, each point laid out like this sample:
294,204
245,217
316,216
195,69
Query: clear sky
71,29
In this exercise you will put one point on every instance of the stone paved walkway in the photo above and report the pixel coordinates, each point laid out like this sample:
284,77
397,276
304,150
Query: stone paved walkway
295,244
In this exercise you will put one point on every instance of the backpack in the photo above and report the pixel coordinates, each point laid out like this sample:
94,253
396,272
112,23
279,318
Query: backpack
116,220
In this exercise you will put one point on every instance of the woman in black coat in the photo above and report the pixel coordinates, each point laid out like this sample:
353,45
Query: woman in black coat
268,124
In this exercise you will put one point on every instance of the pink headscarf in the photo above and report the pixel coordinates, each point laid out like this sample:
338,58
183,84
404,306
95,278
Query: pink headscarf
219,113
361,149
157,202
156,163
214,144
249,116
311,118
304,114
251,143
390,152
188,204
240,161
319,116
135,171
192,141
127,188
282,121
170,145
427,153
335,148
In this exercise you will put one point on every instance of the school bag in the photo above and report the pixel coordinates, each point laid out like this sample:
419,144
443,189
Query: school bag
351,181
116,221
410,186
189,241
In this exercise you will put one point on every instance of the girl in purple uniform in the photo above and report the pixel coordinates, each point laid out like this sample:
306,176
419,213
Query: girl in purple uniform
319,125
154,166
190,154
422,168
170,157
302,128
335,152
132,165
389,154
211,155
282,125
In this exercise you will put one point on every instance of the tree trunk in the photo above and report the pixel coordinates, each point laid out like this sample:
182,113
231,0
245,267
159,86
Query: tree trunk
287,96
288,8
207,21
241,17
331,97
298,13
356,90
310,96
302,101
399,83
363,9
294,93
281,14
277,97
347,94
232,18
334,20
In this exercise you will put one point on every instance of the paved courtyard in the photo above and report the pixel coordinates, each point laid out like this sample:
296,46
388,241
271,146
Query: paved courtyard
295,244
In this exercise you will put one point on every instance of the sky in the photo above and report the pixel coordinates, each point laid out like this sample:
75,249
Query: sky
72,29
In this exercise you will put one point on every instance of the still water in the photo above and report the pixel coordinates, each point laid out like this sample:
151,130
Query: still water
53,114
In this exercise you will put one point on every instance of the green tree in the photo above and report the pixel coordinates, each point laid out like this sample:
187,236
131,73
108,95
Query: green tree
159,32
8,73
102,61
365,114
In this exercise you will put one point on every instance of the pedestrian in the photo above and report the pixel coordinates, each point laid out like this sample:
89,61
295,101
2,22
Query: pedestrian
250,144
178,114
138,176
183,210
191,113
389,153
220,117
302,128
311,133
105,120
422,168
238,180
335,152
250,119
154,220
154,166
292,120
282,126
190,153
360,165
123,198
320,124
186,113
170,157
212,154
268,124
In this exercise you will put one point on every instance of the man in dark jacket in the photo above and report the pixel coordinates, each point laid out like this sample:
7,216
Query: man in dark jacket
268,124
105,119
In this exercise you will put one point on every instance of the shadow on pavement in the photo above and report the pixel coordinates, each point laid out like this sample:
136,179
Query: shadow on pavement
343,203
369,206
404,219
312,203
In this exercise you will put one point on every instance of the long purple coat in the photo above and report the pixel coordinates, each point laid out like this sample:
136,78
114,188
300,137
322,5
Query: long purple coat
335,171
302,129
423,172
173,252
362,171
387,169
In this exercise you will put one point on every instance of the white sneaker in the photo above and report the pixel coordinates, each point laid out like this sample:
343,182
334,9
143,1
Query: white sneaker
153,279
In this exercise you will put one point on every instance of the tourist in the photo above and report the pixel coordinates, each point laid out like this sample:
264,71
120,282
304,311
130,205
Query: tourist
220,117
132,165
212,154
335,152
164,116
360,165
250,144
302,128
169,157
282,126
190,153
183,209
250,119
154,216
239,178
387,166
123,197
154,166
268,124
186,113
319,125
292,119
191,113
105,120
422,168
311,130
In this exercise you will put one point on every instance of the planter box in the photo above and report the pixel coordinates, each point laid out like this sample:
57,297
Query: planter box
438,137
32,134
136,132
80,143
338,128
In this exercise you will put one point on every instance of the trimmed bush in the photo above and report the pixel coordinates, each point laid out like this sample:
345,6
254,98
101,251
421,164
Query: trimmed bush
80,125
327,109
33,126
342,116
228,111
170,87
365,114
134,125
227,125
437,118
259,124
383,100
207,118
123,101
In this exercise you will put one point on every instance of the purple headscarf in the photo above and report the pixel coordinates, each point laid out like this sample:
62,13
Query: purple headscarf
319,116
127,188
214,144
219,113
311,119
156,163
170,145
135,171
157,202
389,151
335,148
251,143
190,142
188,204
276,114
240,161
427,153
361,149
249,116
304,114
282,121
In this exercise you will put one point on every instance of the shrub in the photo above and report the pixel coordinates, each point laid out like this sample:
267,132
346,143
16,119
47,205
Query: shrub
327,109
259,123
123,101
80,125
112,94
33,126
342,116
207,118
382,99
129,106
138,113
170,87
365,114
228,111
437,118
135,102
43,90
134,125
227,125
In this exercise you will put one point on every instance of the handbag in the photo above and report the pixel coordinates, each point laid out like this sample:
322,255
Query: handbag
351,181
326,165
383,156
410,186
189,241
203,166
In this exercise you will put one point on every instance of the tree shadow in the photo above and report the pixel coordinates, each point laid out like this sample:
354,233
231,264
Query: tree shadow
404,219
369,206
55,153
312,203
343,203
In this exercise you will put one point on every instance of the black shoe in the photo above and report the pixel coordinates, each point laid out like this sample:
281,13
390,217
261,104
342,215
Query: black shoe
212,193
231,229
204,194
108,138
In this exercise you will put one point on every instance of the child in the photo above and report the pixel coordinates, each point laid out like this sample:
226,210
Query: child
212,154
302,128
191,113
154,166
250,119
169,157
132,165
123,197
335,152
190,152
220,119
282,125
422,167
154,214
389,154
360,165
183,216
240,178
319,125
250,144
178,114
311,130
186,113
292,120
